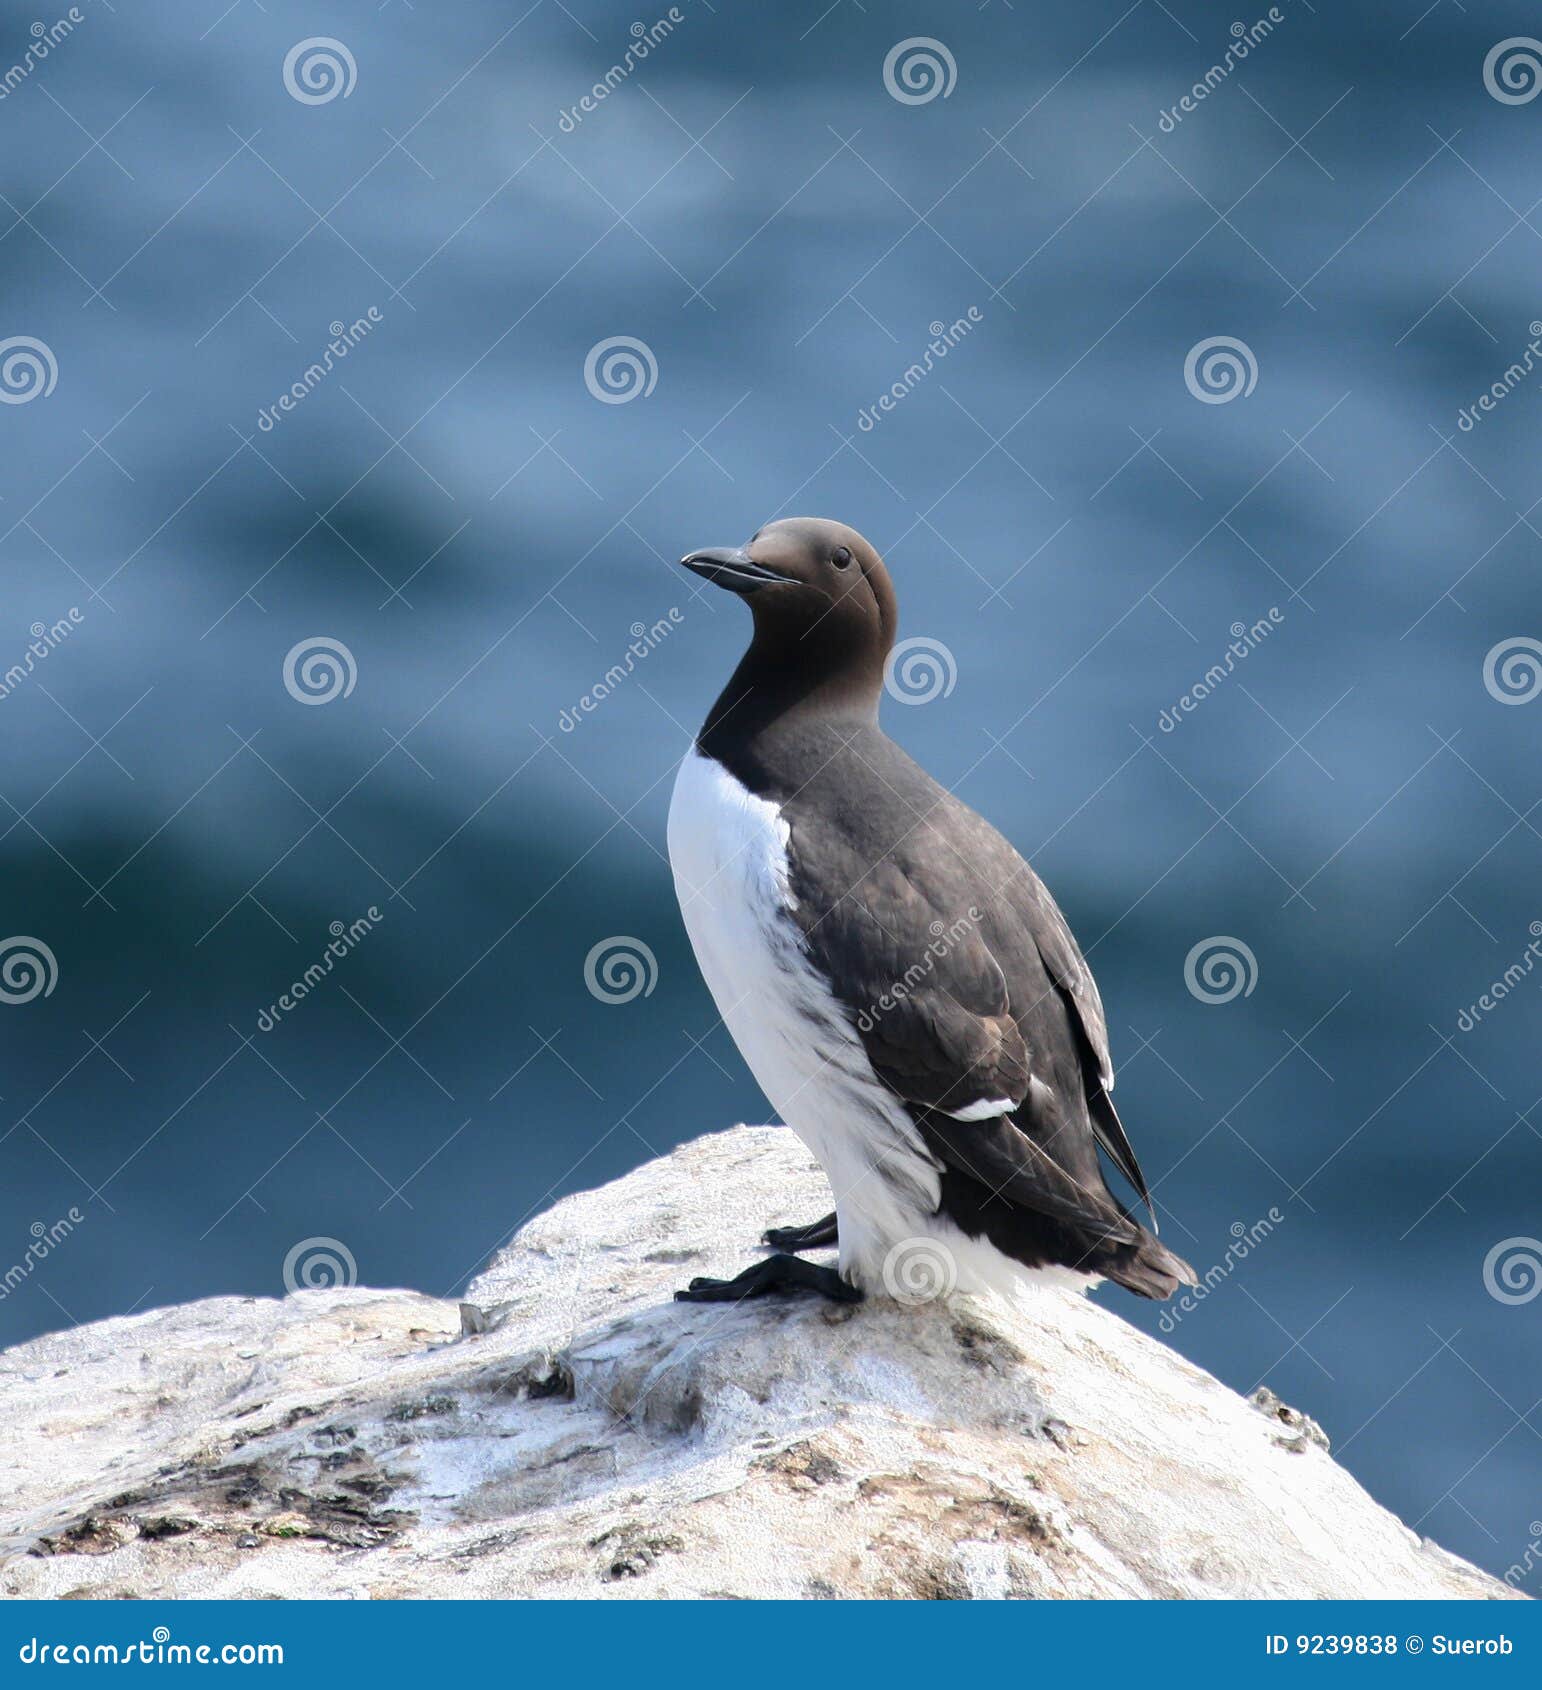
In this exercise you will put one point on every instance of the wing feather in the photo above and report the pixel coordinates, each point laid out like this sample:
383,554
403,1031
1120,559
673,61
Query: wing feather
968,990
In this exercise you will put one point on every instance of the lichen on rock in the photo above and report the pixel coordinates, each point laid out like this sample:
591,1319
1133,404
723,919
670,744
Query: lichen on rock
569,1430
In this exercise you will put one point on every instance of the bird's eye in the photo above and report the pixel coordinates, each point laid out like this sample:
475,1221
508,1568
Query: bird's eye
841,556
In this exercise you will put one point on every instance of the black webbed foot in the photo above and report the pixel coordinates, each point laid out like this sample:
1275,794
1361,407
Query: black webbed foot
775,1273
810,1237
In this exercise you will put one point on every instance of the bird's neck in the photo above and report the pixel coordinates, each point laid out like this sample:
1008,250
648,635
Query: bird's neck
780,684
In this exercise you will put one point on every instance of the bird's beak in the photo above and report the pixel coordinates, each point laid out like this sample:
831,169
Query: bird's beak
731,567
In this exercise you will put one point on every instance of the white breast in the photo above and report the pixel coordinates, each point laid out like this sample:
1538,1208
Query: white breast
728,850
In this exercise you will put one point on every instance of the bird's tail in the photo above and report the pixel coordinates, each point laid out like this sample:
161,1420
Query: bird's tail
1146,1267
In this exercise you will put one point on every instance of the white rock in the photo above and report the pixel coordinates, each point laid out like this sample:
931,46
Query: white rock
600,1439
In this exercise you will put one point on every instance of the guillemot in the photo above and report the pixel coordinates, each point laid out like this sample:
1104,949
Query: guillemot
900,982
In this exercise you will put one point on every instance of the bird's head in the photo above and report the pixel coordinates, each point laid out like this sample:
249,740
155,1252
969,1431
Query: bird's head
819,593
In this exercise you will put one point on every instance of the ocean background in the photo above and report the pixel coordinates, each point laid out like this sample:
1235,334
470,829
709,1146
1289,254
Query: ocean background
1352,814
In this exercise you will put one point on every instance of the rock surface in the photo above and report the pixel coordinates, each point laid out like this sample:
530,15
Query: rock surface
599,1439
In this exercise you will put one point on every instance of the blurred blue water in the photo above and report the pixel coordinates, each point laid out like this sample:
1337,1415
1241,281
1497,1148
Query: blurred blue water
453,505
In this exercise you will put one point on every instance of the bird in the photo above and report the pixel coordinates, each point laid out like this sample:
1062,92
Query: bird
899,981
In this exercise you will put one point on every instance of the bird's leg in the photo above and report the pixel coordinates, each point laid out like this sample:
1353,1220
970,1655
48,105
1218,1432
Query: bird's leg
809,1237
775,1273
